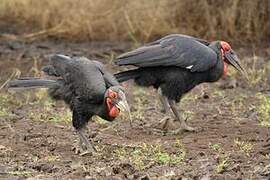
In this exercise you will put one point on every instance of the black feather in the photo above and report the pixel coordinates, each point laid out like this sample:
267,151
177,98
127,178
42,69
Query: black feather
173,50
175,63
25,83
80,82
126,75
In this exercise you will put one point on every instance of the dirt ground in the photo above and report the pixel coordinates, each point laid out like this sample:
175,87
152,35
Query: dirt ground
36,136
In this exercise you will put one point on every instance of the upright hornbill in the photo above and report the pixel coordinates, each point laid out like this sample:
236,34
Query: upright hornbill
175,64
86,86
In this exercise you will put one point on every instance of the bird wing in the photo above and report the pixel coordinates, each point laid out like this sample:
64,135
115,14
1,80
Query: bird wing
109,79
81,74
172,36
173,50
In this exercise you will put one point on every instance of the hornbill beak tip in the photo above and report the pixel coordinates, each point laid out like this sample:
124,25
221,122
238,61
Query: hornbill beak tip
123,106
233,59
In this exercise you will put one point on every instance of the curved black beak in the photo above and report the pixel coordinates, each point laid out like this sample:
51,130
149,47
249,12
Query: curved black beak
232,58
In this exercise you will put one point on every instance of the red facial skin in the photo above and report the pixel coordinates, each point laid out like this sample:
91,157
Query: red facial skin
113,111
224,48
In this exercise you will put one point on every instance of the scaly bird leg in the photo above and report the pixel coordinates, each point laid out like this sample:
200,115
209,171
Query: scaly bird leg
164,122
184,126
78,148
164,102
84,143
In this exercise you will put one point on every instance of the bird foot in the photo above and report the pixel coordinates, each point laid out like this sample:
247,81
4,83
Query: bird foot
77,149
163,111
87,152
83,150
165,122
184,128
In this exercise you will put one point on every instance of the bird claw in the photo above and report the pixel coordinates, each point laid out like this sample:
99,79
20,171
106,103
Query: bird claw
87,152
184,129
77,150
83,150
164,122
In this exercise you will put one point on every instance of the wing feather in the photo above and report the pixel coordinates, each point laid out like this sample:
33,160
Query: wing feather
82,75
173,50
172,36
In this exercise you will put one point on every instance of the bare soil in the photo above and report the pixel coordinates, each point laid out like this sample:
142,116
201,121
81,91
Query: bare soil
34,145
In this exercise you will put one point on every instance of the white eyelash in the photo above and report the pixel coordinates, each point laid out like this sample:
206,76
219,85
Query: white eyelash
189,67
64,56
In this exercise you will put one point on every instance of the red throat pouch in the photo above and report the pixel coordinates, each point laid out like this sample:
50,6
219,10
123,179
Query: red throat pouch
112,110
225,69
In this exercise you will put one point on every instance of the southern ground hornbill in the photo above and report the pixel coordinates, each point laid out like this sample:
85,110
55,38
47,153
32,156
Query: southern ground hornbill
86,86
175,64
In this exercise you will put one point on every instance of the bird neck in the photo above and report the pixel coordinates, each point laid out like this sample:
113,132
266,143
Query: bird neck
221,67
216,72
225,65
225,69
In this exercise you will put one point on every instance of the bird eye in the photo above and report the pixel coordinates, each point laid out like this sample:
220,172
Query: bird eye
112,94
225,46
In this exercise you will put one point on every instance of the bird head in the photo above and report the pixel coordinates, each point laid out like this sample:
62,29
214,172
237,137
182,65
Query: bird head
116,101
230,57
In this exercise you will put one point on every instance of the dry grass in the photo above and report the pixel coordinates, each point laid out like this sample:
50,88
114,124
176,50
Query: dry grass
140,20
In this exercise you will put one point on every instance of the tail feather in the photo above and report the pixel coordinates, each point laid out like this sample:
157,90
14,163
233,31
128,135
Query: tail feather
126,75
32,82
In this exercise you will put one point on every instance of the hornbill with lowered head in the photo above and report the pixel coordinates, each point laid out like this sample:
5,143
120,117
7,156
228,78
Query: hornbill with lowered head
86,86
175,64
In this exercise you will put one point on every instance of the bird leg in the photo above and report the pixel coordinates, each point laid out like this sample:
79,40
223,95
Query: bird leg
164,102
78,148
164,122
84,144
183,125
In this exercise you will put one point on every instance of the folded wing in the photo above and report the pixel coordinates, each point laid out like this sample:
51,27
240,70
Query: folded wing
82,75
173,50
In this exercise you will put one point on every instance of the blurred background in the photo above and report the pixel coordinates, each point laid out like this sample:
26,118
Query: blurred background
138,21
